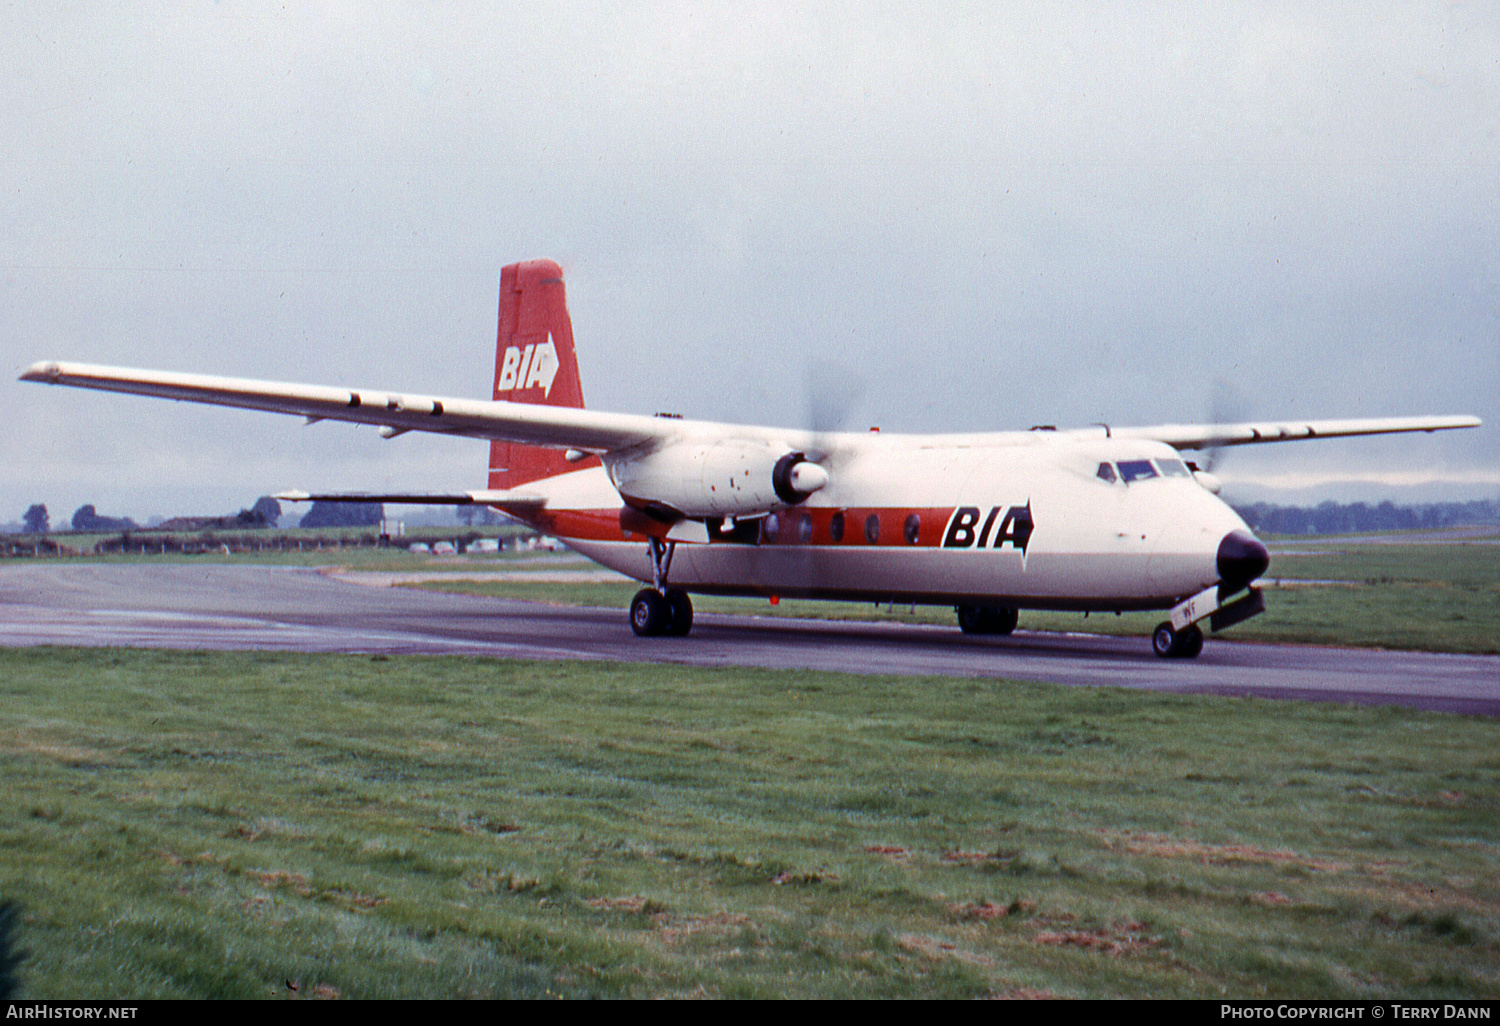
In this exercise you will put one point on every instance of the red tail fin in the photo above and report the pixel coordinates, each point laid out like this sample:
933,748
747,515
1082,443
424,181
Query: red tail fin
534,363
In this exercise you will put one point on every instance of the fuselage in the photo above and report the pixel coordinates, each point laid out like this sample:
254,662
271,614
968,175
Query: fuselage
1041,521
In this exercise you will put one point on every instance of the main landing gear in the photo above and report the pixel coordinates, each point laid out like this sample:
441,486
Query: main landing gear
986,619
661,611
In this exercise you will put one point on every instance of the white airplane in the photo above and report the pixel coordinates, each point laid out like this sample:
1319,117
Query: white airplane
1096,518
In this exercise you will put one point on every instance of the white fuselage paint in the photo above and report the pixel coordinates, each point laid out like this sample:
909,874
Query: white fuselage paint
1092,544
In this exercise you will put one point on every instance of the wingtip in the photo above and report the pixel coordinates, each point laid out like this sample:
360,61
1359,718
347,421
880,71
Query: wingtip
46,371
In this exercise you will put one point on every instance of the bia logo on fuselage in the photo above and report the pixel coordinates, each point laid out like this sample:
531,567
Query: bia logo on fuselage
1002,525
529,367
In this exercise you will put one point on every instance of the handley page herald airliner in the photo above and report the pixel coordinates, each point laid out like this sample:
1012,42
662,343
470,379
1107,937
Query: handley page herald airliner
1088,519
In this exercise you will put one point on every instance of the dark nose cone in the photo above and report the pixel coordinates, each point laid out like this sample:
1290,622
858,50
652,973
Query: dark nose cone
1241,559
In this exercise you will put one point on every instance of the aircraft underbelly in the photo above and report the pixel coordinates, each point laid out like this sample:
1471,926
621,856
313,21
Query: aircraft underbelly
1062,580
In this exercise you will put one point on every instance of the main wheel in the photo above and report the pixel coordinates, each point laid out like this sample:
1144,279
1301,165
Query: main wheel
682,612
650,613
986,619
971,619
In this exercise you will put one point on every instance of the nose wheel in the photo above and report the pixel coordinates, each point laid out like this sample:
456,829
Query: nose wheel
1173,644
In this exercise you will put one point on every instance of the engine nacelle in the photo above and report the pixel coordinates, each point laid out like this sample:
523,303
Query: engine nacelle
717,479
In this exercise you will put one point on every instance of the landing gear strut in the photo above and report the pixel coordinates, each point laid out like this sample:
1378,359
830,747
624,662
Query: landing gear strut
660,610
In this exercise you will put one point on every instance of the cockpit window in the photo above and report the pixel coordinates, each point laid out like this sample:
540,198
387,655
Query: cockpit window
1136,470
1172,468
1107,473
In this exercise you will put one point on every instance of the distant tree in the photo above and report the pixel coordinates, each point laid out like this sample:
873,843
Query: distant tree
343,514
36,520
85,518
1336,518
268,508
465,514
263,514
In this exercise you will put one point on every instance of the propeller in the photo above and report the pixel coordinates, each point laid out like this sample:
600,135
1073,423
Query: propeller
832,393
1227,405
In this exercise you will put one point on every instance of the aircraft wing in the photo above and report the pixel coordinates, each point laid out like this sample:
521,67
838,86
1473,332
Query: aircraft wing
397,413
1213,436
596,432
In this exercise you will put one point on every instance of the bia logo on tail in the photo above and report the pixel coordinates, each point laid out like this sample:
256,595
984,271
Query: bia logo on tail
529,367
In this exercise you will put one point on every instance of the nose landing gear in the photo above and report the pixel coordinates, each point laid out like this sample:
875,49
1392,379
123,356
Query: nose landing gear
1182,638
1174,644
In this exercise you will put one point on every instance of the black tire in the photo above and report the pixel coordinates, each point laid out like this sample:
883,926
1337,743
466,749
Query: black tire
681,607
1183,644
650,613
986,619
1190,642
1164,641
971,619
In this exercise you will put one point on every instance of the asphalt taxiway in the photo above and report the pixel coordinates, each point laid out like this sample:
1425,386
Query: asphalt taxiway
220,606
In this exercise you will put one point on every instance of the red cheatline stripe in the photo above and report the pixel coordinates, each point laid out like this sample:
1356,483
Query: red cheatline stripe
894,526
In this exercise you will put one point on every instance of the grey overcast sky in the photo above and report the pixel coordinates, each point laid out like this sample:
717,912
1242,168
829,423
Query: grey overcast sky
988,216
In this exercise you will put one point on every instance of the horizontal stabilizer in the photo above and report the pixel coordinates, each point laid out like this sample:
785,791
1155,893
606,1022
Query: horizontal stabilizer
482,497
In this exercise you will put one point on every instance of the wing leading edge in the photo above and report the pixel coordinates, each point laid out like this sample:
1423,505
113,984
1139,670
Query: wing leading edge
1213,436
560,427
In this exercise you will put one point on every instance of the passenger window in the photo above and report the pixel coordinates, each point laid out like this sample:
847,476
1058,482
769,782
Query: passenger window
913,528
836,526
804,529
1107,473
1172,468
1136,470
872,528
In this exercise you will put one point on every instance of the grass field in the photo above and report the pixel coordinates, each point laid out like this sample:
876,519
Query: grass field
1430,597
227,825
